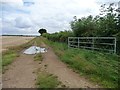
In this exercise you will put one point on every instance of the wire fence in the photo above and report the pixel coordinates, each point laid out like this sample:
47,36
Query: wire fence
106,44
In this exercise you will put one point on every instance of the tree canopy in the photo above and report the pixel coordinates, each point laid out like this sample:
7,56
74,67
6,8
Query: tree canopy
105,24
41,31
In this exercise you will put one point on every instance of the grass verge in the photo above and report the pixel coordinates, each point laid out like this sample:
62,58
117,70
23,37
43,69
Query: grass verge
9,55
7,58
45,80
98,67
38,57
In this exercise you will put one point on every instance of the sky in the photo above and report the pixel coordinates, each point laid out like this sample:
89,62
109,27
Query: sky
26,17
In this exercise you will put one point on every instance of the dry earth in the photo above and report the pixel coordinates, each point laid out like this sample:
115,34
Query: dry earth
8,41
21,73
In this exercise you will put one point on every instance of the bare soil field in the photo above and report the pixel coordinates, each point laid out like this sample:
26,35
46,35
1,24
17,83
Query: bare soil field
8,41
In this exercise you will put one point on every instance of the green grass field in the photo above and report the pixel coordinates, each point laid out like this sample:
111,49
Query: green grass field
98,67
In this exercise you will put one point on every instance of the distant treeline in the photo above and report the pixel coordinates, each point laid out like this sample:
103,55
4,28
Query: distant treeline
106,24
22,35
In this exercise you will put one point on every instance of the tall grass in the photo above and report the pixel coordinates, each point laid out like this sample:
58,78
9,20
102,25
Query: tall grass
8,58
46,80
99,67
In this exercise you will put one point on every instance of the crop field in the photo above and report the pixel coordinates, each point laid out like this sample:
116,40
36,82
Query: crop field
8,41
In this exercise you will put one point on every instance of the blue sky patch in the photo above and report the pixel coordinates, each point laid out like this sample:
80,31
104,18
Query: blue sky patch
11,9
28,3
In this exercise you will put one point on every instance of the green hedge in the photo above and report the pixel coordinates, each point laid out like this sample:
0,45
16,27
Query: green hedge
59,37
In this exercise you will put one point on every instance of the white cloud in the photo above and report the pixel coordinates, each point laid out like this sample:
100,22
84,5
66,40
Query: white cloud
107,1
23,22
28,16
54,15
15,2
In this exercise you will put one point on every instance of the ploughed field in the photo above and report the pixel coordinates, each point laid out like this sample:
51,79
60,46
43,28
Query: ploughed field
8,41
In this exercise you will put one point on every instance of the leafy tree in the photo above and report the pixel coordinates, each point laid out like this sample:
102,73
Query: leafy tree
41,31
105,24
108,22
83,26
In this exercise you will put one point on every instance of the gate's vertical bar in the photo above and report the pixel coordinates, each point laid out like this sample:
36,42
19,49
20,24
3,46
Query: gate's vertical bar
115,42
93,42
78,42
68,42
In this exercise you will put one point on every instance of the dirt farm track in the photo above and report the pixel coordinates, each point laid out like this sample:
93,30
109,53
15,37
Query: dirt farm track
22,72
8,41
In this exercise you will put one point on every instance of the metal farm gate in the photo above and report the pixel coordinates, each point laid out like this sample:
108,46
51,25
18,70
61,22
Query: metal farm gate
106,44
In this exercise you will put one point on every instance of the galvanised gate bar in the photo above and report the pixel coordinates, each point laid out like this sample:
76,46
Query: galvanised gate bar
105,44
